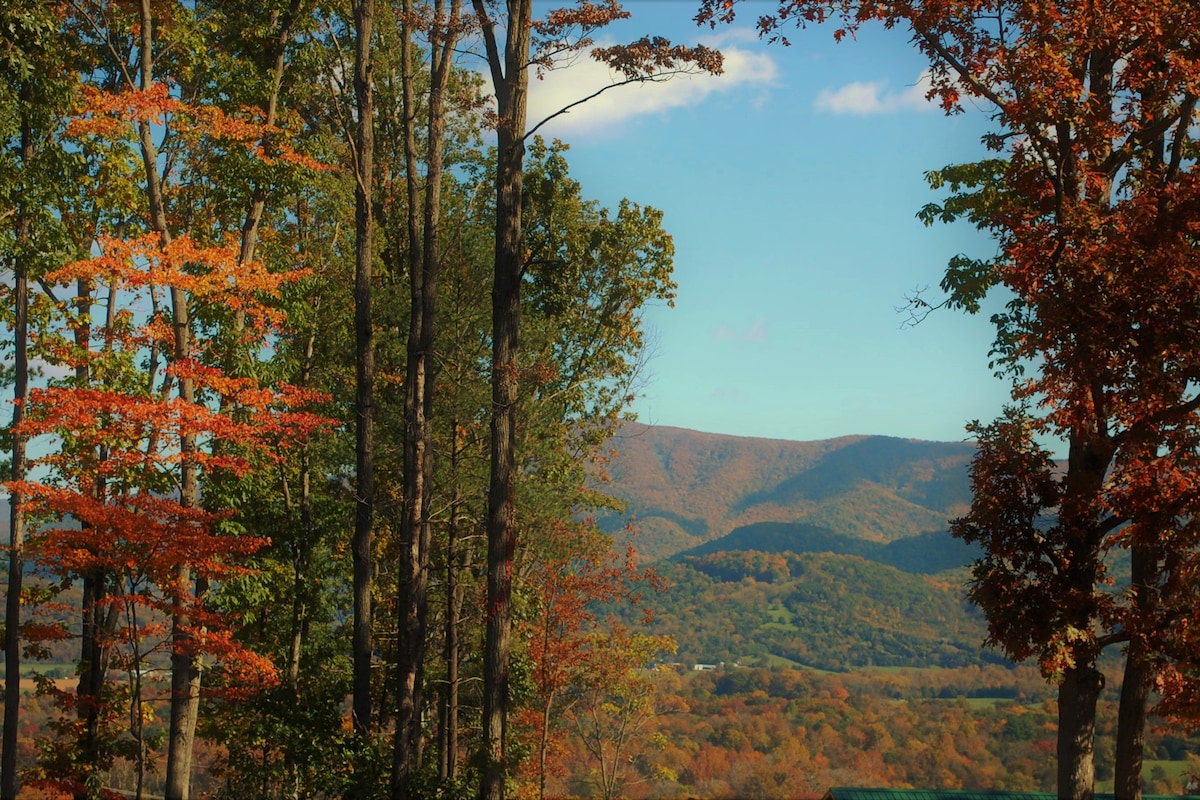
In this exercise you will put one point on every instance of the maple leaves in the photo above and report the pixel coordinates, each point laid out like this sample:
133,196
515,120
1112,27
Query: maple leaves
121,433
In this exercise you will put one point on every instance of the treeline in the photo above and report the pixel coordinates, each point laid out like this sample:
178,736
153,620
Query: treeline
309,520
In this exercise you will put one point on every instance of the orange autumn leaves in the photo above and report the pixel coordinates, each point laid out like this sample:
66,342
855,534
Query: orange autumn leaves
209,274
110,115
110,428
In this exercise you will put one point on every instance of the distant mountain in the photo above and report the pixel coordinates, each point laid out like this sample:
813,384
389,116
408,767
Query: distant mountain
685,489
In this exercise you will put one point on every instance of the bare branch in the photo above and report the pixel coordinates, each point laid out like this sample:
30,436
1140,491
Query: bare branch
567,108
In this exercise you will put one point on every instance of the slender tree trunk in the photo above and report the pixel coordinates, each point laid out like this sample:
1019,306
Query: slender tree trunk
302,557
16,558
137,726
364,11
456,566
544,746
424,215
185,663
92,667
411,580
510,81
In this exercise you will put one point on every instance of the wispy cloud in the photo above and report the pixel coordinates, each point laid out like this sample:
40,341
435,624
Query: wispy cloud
744,68
863,98
757,332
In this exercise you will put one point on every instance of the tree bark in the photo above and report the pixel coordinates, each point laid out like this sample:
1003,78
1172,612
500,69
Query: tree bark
1090,451
458,562
411,582
185,664
92,666
16,560
424,216
510,81
1135,685
364,11
1077,695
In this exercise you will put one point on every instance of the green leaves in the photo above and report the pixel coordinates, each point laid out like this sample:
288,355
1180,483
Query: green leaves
967,281
977,191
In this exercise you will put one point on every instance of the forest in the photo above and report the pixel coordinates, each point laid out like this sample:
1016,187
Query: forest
315,348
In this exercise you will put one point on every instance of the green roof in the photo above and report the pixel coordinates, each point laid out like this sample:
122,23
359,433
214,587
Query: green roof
849,793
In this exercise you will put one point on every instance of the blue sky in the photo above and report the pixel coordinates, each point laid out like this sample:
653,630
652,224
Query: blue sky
790,185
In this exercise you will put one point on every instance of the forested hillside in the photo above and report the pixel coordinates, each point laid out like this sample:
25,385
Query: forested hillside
830,612
684,488
924,553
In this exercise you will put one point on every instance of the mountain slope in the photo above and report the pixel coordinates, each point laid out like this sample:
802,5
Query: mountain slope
820,610
685,488
923,554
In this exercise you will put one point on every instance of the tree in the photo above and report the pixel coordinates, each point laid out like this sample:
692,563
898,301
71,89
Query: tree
578,573
615,708
528,43
116,469
1089,203
38,90
364,227
136,109
424,207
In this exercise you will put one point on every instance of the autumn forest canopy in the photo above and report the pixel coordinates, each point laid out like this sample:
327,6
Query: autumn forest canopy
315,351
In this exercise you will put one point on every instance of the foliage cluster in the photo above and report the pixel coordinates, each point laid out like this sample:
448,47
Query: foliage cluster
818,610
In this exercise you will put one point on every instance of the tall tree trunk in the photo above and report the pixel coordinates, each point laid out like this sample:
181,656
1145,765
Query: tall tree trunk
457,565
1135,685
1090,451
1131,726
510,81
302,557
16,559
411,581
424,215
92,667
184,702
92,671
1077,695
364,12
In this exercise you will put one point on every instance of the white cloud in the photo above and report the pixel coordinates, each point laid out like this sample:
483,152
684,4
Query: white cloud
757,332
743,69
863,98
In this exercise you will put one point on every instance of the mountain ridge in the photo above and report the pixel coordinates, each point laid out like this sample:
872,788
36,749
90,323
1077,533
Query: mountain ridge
685,488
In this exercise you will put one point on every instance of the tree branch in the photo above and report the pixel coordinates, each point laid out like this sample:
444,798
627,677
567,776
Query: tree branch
639,79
